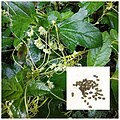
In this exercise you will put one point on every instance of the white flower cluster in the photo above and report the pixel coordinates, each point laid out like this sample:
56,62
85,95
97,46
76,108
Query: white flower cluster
39,43
30,33
4,12
58,67
61,47
41,46
47,51
42,30
50,84
53,45
74,54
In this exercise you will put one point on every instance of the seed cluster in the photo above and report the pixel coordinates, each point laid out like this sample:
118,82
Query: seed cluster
90,90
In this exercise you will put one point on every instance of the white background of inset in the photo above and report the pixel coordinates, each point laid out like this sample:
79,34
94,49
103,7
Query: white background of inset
78,74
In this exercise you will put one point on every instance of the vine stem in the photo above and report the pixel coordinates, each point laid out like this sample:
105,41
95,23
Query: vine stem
49,108
33,64
58,97
48,45
7,50
15,60
25,100
43,102
56,29
114,78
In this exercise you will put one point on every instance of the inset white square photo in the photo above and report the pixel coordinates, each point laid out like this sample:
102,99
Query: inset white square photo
88,88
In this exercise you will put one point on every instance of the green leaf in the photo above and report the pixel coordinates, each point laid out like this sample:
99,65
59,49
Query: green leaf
18,108
41,4
7,42
115,75
5,19
11,89
80,15
7,71
111,18
100,56
74,31
37,88
6,32
34,52
114,86
22,8
59,82
54,15
114,83
113,35
67,14
91,7
20,25
114,40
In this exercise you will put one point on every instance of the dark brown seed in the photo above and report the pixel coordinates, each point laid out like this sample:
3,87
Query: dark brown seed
97,79
74,85
95,98
84,100
100,94
96,88
87,103
89,97
72,94
95,76
94,82
90,106
99,90
103,98
99,97
82,97
90,92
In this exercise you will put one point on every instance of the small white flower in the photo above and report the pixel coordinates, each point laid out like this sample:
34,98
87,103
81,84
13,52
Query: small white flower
50,84
56,69
74,54
39,43
47,51
30,33
53,66
53,22
61,47
53,45
60,67
42,30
